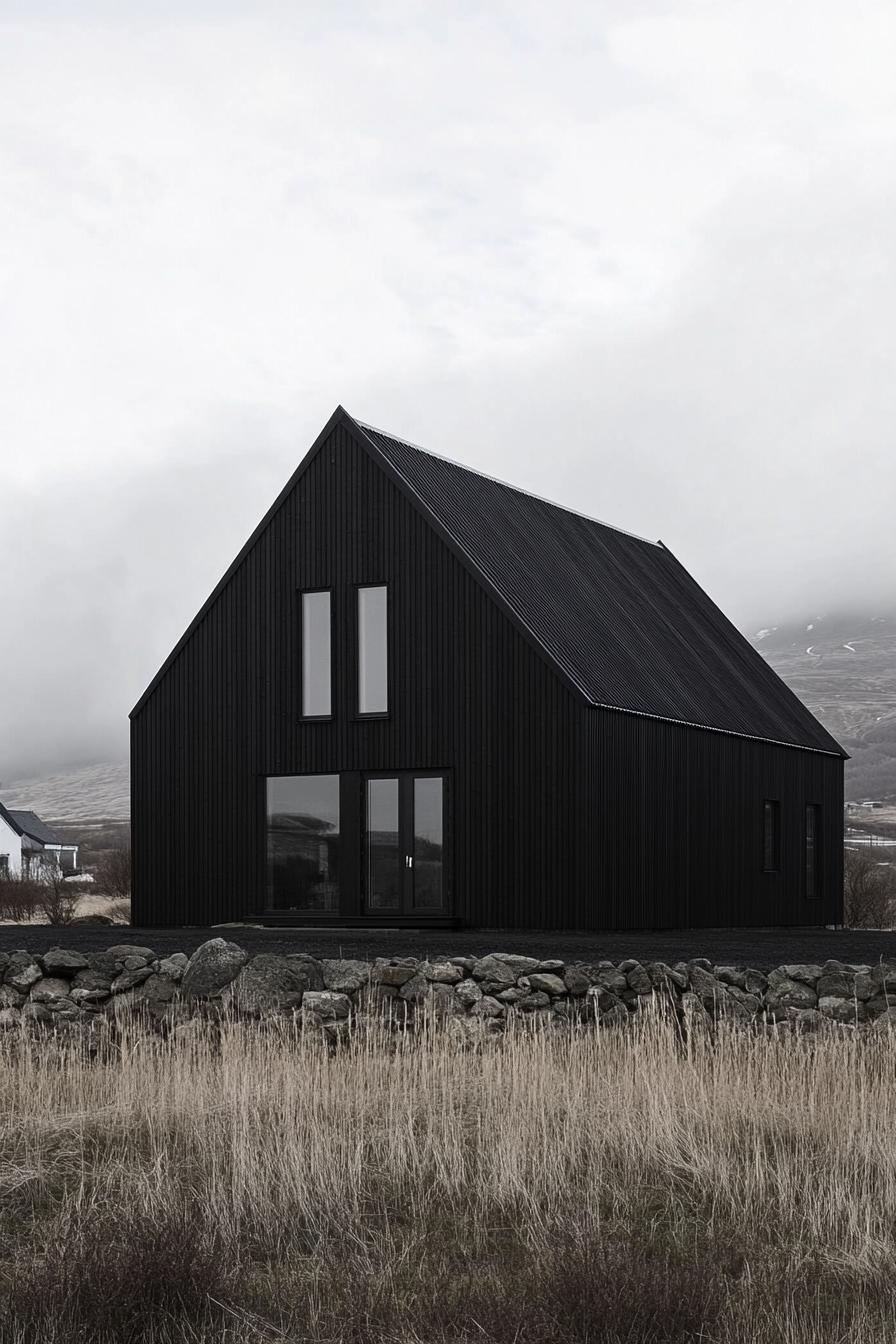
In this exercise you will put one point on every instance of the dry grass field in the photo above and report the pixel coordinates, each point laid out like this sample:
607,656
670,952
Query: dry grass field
244,1184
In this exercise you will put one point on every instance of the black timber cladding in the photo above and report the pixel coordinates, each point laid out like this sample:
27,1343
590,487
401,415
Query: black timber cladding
564,815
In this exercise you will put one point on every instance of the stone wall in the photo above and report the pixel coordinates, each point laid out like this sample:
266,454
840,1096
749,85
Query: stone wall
73,991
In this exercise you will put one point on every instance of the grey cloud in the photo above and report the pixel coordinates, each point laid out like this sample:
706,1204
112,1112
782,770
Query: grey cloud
640,261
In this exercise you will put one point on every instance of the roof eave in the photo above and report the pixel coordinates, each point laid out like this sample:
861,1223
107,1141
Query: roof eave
725,732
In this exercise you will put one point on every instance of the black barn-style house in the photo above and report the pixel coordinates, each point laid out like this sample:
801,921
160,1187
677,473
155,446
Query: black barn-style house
420,696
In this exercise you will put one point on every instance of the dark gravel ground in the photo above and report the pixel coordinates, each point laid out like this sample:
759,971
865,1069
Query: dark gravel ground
761,948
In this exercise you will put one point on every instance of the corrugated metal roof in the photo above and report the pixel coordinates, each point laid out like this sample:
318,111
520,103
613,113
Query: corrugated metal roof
618,614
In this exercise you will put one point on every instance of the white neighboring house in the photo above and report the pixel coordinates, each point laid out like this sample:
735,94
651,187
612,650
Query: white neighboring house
10,845
27,844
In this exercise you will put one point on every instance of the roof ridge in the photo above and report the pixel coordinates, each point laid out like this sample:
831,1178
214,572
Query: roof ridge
496,480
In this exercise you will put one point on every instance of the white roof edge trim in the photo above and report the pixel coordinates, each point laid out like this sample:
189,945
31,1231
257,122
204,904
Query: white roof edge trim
708,728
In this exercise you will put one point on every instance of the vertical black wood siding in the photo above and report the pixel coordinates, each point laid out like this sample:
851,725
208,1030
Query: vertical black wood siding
564,816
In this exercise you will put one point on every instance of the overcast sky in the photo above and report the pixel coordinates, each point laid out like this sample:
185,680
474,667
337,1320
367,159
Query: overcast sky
640,258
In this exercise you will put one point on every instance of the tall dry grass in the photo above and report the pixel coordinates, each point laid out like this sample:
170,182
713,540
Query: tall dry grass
248,1184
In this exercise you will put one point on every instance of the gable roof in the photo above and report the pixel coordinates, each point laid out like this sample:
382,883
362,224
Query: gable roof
617,616
30,824
10,820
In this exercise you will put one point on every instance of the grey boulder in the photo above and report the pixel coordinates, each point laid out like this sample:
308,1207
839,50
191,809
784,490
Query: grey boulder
384,973
212,967
546,983
268,983
155,990
93,980
638,979
324,1005
128,979
468,992
842,1010
62,961
343,976
503,967
703,983
121,951
808,974
415,989
22,971
50,989
442,972
789,993
174,966
575,981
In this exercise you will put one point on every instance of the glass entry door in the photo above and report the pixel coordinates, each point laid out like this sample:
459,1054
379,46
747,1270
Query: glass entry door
404,843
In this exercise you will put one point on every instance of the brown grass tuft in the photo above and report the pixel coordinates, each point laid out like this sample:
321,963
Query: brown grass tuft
243,1183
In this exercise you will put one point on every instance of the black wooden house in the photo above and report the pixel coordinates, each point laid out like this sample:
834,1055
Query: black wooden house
420,696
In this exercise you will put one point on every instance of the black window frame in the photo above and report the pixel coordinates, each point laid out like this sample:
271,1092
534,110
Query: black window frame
811,852
264,854
359,714
314,718
771,853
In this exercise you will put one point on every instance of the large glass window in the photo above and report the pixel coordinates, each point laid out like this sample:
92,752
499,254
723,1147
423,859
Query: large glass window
771,839
316,671
429,812
384,855
303,843
813,831
373,653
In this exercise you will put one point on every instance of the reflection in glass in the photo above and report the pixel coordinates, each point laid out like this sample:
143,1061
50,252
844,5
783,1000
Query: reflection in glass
373,658
303,843
384,857
428,843
316,679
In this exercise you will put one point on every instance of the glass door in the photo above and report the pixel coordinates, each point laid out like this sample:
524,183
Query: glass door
384,858
404,843
427,866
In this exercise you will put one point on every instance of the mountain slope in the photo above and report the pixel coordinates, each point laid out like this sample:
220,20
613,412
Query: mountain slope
843,666
91,791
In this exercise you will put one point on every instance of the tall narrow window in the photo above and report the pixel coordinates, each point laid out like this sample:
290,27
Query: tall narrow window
813,831
373,653
316,673
771,836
